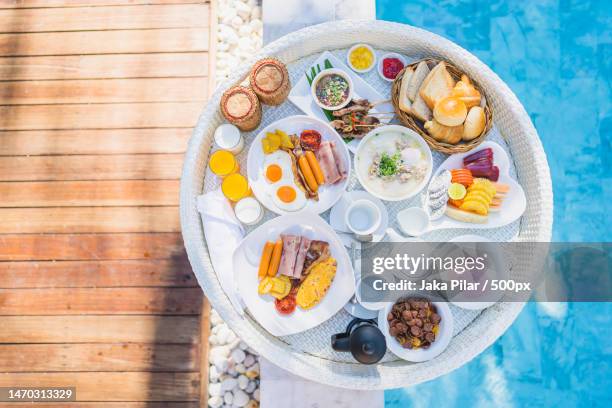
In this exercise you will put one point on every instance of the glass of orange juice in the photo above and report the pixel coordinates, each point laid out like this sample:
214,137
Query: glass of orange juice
223,163
235,187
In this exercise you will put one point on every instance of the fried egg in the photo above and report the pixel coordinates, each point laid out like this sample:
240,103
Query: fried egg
282,188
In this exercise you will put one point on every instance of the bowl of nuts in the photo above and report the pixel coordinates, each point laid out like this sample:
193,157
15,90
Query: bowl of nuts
416,328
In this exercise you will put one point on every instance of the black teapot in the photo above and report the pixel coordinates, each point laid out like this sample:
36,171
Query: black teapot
363,339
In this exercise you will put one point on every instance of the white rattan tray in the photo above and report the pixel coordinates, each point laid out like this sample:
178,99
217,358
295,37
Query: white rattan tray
309,354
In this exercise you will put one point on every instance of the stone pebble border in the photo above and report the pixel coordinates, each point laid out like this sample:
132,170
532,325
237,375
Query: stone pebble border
234,368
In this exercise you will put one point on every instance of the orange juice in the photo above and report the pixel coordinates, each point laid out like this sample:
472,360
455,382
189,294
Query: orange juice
223,163
235,187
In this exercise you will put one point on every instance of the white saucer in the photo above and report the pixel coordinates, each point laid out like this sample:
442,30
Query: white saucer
336,216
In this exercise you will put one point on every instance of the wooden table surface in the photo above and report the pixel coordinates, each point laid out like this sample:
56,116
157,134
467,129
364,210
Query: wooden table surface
97,101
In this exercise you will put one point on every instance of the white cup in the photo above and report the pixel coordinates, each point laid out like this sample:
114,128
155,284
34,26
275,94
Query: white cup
362,217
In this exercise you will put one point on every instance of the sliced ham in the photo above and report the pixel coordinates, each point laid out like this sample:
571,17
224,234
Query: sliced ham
291,245
301,256
325,157
340,164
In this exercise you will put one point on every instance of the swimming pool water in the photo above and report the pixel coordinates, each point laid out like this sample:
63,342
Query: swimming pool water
557,57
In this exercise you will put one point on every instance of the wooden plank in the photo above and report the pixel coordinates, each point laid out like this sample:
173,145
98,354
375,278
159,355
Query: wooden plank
104,91
112,386
49,247
204,350
98,357
100,301
104,116
105,66
99,329
89,193
89,219
82,3
116,167
104,18
93,141
72,274
105,42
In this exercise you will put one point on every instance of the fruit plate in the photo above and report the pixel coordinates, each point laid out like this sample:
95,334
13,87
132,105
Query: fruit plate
513,206
328,194
246,264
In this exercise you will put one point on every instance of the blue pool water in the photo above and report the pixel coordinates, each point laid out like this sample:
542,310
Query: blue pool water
557,58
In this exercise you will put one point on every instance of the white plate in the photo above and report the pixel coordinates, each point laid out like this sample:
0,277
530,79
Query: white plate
246,265
513,205
419,355
328,195
301,96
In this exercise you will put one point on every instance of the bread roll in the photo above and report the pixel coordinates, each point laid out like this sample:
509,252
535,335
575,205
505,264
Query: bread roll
474,123
437,85
450,111
444,134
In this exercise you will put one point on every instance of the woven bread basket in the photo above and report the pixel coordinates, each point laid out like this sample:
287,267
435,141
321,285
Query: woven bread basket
417,125
510,119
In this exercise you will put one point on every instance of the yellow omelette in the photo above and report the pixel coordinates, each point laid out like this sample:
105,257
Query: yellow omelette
316,284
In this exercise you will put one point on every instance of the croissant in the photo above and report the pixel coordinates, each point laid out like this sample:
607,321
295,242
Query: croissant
465,91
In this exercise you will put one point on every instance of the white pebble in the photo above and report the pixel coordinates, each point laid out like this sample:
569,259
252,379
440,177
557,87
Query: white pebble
242,382
236,22
250,387
214,389
219,351
220,363
249,360
228,398
215,402
256,25
213,374
243,10
238,355
241,398
256,12
229,384
244,30
223,334
240,368
229,15
256,394
243,345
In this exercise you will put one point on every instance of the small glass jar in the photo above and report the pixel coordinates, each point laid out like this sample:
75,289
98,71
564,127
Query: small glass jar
249,211
228,137
223,163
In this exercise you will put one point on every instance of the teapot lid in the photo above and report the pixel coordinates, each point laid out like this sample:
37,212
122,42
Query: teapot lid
368,344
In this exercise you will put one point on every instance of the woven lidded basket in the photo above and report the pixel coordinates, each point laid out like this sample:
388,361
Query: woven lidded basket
417,125
510,119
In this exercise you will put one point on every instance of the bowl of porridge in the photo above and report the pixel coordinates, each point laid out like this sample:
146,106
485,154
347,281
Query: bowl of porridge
393,163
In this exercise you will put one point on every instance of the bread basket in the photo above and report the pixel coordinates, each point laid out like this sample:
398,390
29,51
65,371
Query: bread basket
418,126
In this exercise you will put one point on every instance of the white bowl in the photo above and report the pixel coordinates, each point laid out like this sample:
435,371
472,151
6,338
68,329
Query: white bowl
442,341
389,55
330,71
424,147
348,58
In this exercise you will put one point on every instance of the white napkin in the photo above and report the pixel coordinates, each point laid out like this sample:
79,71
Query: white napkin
223,233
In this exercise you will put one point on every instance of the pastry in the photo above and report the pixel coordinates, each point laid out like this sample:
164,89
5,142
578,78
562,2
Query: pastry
474,123
404,101
270,81
450,111
437,85
465,91
445,134
421,72
241,107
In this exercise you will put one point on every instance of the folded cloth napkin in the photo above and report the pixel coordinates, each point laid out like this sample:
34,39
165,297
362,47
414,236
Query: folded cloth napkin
223,233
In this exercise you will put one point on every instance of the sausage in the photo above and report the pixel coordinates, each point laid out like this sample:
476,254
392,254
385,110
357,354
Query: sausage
314,166
276,257
307,173
266,256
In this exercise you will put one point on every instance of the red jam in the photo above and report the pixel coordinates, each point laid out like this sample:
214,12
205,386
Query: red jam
392,67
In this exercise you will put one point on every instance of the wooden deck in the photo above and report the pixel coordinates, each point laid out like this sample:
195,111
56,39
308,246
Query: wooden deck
97,102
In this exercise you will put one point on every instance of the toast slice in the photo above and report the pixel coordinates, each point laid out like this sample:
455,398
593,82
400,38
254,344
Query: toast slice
420,73
437,85
404,102
420,110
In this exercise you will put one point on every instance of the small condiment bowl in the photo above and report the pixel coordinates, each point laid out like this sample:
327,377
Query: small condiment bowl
321,75
380,64
348,58
445,333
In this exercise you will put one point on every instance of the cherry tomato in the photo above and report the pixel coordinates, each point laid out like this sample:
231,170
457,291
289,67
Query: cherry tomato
310,140
285,305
